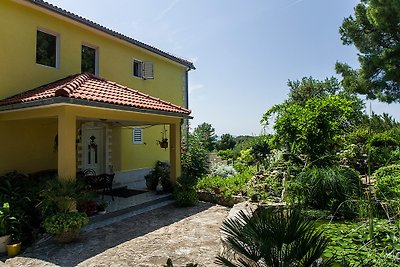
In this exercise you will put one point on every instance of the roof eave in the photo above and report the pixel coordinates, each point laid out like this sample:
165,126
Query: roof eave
101,28
88,103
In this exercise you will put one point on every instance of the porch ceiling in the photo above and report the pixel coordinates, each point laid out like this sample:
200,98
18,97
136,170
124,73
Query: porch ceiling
90,91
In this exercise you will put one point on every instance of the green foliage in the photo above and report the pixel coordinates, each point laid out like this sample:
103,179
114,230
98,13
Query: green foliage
312,129
227,155
226,142
195,158
327,188
273,238
308,87
6,219
161,170
225,187
60,195
260,149
22,192
222,171
185,194
374,31
205,133
61,222
169,264
350,243
388,182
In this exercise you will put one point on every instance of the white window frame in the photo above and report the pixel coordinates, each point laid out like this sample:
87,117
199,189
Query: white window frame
140,68
145,68
96,63
137,132
57,35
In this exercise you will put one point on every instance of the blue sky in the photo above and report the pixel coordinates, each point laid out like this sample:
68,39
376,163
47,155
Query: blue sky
244,51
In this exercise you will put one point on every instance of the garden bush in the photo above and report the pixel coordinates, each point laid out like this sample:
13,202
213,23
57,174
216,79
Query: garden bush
225,187
388,182
351,246
184,193
222,170
327,188
272,237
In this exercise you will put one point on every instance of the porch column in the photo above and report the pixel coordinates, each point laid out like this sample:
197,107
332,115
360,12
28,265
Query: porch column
175,151
66,145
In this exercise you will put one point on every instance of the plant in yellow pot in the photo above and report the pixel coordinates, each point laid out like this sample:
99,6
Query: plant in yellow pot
14,246
5,226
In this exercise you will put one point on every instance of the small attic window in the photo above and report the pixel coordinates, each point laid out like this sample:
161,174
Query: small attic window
137,136
143,69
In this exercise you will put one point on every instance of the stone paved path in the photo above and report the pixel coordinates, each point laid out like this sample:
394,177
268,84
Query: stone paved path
183,234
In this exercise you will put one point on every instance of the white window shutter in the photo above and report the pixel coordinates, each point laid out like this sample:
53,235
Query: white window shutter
137,136
148,70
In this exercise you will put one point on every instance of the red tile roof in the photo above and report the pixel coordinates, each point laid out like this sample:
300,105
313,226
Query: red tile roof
99,27
95,90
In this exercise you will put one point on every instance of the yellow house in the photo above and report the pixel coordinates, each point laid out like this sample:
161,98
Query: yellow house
76,95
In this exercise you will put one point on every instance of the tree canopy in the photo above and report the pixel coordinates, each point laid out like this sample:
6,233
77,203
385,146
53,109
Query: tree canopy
374,31
309,122
205,133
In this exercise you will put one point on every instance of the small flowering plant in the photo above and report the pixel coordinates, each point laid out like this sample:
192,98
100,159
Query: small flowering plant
6,220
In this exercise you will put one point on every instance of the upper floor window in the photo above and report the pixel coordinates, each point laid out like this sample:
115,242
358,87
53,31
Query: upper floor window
143,69
89,60
47,49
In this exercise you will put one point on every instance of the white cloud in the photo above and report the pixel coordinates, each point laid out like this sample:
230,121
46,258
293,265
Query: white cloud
166,10
295,3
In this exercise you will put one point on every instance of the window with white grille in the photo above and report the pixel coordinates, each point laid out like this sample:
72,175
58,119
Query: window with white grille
137,136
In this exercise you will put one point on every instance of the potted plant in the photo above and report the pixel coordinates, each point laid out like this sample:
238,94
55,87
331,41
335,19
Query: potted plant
65,227
164,140
5,225
101,207
61,195
14,246
163,143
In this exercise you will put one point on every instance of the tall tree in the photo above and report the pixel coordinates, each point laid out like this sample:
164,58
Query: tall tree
374,31
205,133
227,142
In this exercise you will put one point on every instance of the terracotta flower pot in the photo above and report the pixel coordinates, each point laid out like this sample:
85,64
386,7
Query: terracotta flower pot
164,144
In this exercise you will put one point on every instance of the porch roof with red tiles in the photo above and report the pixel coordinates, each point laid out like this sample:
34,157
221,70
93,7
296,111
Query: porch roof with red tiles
89,90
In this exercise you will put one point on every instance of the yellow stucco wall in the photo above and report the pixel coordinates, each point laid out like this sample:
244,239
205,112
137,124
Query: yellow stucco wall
133,154
28,145
19,72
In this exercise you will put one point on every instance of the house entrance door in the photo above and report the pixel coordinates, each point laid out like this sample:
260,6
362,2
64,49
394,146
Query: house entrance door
94,149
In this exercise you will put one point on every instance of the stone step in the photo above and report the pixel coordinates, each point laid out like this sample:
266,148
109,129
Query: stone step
102,220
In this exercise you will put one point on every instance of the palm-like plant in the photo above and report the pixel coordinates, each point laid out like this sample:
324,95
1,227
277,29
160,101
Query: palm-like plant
274,238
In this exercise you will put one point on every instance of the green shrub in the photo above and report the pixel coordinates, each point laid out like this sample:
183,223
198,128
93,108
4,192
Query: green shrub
185,194
223,171
195,159
161,170
225,187
272,237
61,222
350,243
327,188
388,182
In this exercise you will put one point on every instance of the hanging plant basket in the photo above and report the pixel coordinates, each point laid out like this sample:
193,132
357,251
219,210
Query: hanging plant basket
164,143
